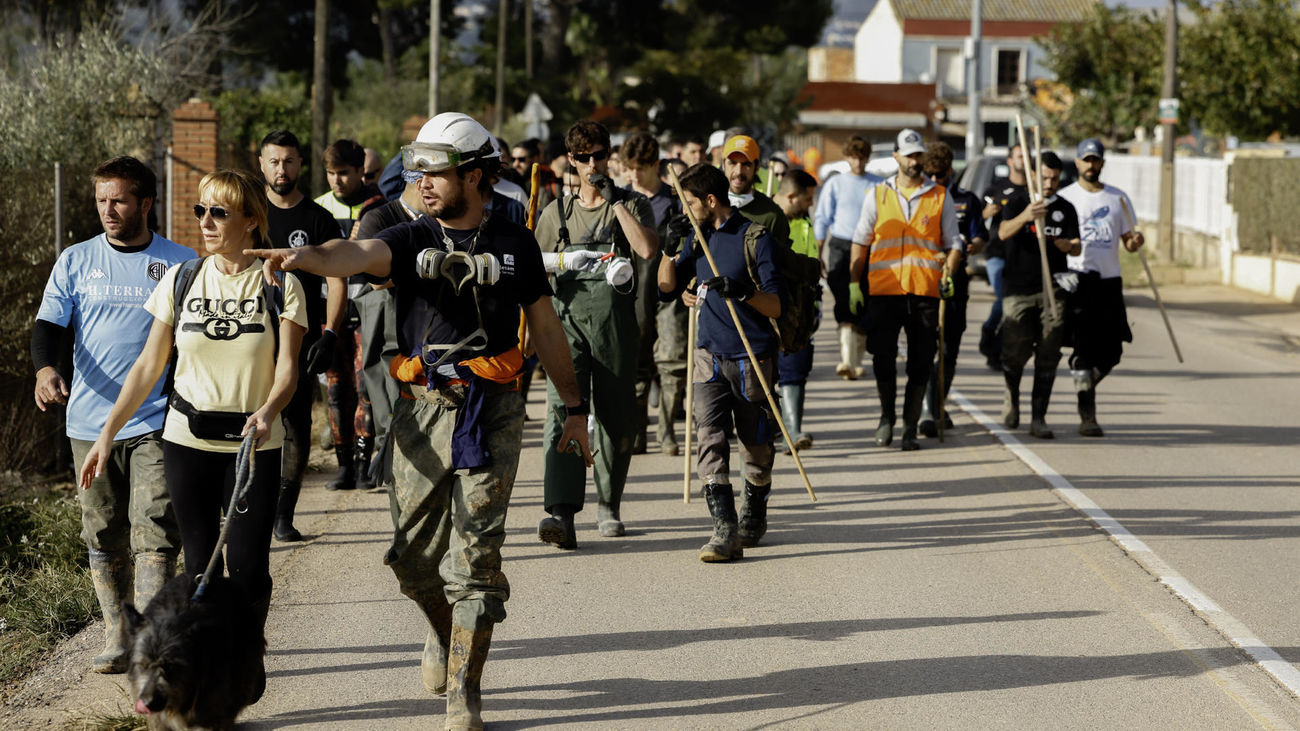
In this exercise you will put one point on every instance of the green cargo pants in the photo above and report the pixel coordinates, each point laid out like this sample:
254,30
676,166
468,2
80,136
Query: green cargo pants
127,507
449,525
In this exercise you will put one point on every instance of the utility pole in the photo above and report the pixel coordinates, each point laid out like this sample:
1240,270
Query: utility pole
435,53
320,97
501,69
528,39
974,123
1169,91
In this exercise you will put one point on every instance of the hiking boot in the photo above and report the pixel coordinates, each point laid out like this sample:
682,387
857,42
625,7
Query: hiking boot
752,524
725,543
558,529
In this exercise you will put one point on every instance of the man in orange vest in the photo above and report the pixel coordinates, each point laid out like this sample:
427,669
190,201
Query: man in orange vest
908,242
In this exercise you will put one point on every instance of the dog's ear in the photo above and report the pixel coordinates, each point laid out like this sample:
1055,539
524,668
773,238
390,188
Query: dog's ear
132,619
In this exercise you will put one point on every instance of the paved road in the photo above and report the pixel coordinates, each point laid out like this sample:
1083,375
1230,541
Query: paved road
951,587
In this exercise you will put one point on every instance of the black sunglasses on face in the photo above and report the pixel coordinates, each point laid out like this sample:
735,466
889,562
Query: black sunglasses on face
519,159
218,213
585,157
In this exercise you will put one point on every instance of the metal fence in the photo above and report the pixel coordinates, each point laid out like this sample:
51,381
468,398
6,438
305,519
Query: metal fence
1200,190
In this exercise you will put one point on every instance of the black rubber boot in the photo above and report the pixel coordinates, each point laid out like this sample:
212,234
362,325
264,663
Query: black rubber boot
608,522
641,417
284,509
913,402
888,389
346,478
752,524
557,528
725,543
365,450
258,609
1086,387
1042,396
1011,398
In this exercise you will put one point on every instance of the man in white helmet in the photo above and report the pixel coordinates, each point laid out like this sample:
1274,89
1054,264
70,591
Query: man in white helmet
462,276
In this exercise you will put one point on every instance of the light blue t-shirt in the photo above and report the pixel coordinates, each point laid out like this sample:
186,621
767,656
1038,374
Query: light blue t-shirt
100,293
839,204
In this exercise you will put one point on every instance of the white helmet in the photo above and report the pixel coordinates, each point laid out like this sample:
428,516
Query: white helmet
447,141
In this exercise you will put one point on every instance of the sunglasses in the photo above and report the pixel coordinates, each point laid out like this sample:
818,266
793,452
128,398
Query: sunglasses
218,213
519,159
586,157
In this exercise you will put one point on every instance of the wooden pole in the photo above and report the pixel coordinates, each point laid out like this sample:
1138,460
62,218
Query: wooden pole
1132,225
943,394
691,317
1035,195
744,339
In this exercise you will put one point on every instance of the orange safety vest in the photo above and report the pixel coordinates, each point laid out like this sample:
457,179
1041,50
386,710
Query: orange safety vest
907,256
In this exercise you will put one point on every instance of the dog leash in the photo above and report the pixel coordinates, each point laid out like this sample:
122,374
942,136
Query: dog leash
243,481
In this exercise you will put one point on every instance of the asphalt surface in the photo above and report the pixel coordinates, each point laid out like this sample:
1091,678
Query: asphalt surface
950,587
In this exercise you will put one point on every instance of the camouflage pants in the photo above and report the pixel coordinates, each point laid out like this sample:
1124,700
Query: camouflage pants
127,508
449,525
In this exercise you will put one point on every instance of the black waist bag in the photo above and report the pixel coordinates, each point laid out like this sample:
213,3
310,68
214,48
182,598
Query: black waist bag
223,426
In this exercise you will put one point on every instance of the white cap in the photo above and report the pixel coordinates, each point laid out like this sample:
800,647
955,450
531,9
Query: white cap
717,139
909,142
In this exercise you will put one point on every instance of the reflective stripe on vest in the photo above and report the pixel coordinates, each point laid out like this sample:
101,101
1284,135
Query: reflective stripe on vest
907,256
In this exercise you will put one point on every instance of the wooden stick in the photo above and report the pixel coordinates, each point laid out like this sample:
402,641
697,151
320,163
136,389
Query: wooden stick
1035,195
943,395
691,318
1132,225
535,187
740,329
770,178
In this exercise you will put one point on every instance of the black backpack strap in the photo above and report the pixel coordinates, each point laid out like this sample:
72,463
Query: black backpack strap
186,273
273,296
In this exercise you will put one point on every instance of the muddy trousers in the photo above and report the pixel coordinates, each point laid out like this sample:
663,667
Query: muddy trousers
126,510
729,400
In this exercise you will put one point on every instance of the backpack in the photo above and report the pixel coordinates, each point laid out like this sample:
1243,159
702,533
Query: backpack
801,279
189,269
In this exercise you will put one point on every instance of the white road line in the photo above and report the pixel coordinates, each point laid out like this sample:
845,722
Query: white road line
1225,624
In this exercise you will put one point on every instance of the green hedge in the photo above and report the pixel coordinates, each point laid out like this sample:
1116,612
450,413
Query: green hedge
1264,193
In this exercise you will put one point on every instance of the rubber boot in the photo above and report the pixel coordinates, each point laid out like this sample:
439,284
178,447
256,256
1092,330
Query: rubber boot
725,543
1085,386
752,524
991,347
433,661
557,528
111,574
859,351
468,650
847,368
258,609
792,396
365,450
642,418
152,571
608,523
1011,398
1042,396
888,389
671,394
346,478
913,402
284,509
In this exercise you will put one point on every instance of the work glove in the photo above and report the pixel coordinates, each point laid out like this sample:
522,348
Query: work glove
856,298
321,353
736,289
946,288
679,227
577,260
604,185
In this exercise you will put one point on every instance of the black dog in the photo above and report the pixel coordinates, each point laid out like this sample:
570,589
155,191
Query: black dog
195,664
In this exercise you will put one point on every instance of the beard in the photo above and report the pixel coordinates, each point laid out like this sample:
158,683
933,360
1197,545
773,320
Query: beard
130,227
285,187
1090,176
450,209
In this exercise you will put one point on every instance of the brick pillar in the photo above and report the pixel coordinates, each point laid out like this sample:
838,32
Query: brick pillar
194,149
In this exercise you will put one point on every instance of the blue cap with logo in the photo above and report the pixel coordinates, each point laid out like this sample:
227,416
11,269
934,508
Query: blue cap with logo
1090,147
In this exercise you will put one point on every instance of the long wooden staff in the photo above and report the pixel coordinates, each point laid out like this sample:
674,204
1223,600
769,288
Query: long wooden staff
1035,195
943,393
691,315
525,341
1132,225
740,329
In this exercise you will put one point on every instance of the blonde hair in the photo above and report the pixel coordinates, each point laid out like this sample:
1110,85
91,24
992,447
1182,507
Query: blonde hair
238,189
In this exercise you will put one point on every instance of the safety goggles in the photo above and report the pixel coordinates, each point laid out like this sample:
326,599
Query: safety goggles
586,157
430,157
218,213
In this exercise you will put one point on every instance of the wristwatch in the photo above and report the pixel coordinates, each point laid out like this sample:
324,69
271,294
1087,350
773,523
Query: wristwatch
582,409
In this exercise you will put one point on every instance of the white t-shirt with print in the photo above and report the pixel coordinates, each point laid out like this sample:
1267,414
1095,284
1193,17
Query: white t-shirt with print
225,350
1102,221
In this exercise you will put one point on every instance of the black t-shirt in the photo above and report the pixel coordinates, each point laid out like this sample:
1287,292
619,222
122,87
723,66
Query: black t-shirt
430,312
1000,190
968,207
1023,273
306,224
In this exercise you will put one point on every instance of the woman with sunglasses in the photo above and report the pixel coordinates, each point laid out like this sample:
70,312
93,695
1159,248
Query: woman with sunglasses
232,375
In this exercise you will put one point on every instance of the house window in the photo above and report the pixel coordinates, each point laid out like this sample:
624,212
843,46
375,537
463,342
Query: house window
950,71
1009,76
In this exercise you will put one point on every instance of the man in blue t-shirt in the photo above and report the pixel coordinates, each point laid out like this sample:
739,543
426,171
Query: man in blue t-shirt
726,386
97,290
